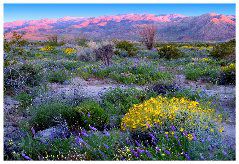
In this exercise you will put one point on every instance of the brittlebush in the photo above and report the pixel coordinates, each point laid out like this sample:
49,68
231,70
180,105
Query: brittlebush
69,51
163,112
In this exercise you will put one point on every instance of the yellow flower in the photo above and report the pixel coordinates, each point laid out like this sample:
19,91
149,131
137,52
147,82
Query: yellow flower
69,51
190,136
161,110
221,129
181,129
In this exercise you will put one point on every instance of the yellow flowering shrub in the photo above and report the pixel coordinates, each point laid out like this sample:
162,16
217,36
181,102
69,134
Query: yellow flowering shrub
228,68
47,48
162,111
69,51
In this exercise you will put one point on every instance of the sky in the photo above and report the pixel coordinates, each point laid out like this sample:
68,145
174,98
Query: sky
14,12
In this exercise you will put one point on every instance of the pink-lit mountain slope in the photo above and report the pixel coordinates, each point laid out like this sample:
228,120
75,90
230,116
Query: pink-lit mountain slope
172,27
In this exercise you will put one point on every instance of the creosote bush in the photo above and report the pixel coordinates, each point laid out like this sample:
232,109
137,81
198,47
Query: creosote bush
224,50
228,74
125,46
91,115
169,52
51,114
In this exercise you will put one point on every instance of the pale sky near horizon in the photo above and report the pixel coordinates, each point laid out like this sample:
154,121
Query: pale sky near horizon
14,12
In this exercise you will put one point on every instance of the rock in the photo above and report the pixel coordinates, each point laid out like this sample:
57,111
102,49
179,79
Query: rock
56,132
164,89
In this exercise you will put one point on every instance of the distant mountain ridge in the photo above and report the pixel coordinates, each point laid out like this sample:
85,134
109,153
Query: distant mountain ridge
171,27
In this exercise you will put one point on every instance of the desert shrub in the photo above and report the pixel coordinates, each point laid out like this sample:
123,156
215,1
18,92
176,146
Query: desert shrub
180,112
117,102
81,41
69,51
125,49
148,35
86,54
51,114
228,74
16,44
25,99
17,78
53,40
47,48
105,53
58,76
91,115
207,72
224,50
39,56
169,52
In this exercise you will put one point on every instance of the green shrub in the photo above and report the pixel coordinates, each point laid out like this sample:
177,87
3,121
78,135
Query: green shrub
21,76
25,99
224,50
70,65
118,101
81,42
207,72
57,76
169,52
228,74
51,114
91,114
126,46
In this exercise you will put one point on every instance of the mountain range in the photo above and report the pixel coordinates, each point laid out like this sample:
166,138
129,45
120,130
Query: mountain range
171,27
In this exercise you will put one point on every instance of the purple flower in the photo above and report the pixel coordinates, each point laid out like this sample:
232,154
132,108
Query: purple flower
80,140
187,156
106,133
134,153
33,131
179,143
137,143
149,155
26,157
157,149
185,133
173,128
140,151
167,152
83,133
166,135
194,137
152,136
88,114
224,152
92,128
106,146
